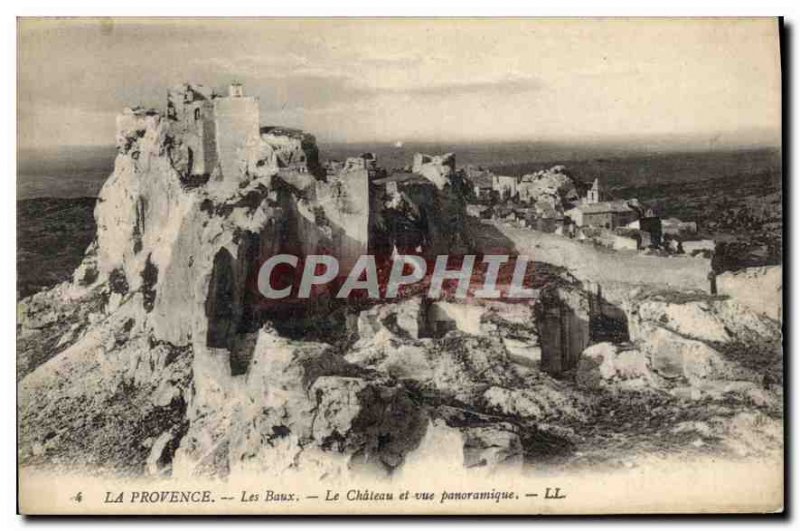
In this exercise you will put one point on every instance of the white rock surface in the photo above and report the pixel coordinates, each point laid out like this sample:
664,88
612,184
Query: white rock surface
759,288
605,365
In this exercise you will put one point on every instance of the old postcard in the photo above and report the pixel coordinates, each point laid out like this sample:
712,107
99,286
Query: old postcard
399,266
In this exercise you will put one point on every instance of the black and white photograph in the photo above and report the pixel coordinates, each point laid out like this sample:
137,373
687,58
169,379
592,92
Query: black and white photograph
399,266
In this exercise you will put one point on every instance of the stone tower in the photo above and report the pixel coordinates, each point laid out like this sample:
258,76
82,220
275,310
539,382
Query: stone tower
237,126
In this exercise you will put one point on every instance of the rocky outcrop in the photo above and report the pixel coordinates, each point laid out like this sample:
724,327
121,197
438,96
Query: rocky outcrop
468,366
161,317
550,191
115,400
159,358
605,365
294,150
181,229
421,212
299,400
438,169
704,345
758,288
419,219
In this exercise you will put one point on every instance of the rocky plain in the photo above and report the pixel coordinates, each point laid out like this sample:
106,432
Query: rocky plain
156,358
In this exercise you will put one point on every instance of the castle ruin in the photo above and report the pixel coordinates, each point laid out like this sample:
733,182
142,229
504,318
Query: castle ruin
215,129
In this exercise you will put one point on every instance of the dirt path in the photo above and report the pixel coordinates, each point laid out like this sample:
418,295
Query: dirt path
615,271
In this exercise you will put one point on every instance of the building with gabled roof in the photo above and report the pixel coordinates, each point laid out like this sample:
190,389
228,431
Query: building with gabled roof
605,214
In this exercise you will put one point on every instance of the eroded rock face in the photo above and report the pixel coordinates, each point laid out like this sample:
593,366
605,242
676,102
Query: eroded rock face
106,401
300,399
704,340
423,212
438,169
759,288
550,191
301,403
160,352
183,222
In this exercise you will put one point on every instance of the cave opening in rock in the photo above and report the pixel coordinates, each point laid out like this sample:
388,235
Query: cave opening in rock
609,323
563,334
222,306
565,329
190,161
232,304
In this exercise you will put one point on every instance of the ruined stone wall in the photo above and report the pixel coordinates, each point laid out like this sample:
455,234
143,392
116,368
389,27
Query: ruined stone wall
334,219
208,136
345,201
190,112
295,150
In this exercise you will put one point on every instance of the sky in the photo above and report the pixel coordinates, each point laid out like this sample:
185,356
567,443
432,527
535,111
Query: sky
714,81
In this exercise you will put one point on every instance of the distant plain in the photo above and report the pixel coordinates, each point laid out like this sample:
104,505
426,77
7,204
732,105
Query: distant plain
731,193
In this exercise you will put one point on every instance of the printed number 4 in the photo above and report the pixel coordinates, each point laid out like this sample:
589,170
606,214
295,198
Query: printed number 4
78,497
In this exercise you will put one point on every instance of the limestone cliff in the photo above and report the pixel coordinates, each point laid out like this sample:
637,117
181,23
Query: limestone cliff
422,211
160,358
183,224
162,317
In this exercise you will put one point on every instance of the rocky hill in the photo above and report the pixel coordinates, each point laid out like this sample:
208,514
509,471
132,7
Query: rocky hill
159,358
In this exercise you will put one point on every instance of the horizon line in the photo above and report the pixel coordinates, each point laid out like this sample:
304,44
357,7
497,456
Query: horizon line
632,143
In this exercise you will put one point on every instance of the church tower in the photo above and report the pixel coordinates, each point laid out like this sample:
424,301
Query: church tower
593,195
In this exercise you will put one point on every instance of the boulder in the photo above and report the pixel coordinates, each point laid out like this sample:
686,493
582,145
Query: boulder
712,320
376,424
696,319
758,288
674,356
492,446
605,365
404,319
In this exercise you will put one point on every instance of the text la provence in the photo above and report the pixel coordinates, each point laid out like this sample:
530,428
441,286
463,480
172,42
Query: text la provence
205,496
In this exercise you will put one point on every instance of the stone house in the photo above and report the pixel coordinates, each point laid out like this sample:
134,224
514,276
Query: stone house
606,214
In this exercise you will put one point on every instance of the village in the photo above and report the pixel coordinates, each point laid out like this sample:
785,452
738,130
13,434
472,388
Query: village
550,201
